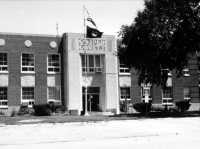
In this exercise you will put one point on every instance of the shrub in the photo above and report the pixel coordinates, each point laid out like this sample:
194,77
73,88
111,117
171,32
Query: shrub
13,113
42,110
24,109
56,107
157,107
60,109
142,107
183,105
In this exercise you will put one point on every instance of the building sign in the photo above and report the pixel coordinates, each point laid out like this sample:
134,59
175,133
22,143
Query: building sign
88,44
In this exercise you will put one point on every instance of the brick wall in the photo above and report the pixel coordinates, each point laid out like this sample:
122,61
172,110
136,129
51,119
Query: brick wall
40,47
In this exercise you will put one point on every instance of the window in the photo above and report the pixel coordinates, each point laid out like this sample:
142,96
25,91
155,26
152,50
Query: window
53,63
3,97
146,92
27,62
53,94
92,63
28,96
125,93
186,93
186,72
124,69
167,95
3,62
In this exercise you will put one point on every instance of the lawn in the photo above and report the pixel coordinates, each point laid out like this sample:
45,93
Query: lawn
61,118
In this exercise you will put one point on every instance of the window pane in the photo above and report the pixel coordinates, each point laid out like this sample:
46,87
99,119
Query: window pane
54,93
83,60
3,62
91,61
3,93
28,93
53,63
186,92
27,62
125,92
97,61
167,92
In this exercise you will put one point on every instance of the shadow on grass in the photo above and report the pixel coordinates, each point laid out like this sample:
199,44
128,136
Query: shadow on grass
165,114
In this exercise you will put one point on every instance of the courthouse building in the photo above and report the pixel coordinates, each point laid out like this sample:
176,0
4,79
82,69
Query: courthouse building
38,69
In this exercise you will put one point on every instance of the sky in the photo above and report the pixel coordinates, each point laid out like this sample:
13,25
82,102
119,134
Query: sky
41,16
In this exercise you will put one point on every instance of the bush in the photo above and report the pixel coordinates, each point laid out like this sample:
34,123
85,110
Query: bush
24,109
42,110
183,105
56,108
142,107
60,109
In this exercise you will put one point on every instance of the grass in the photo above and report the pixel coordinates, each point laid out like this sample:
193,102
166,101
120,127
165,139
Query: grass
18,120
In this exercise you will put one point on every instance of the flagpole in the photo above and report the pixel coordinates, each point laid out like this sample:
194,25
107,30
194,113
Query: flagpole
85,55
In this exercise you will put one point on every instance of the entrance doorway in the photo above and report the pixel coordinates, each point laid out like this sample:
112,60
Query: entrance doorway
92,99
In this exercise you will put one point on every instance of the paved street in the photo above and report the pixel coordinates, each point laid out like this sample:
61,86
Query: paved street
144,133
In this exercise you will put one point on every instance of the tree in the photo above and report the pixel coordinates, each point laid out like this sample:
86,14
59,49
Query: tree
162,36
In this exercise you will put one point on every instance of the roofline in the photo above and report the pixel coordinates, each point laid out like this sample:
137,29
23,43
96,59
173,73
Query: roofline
29,34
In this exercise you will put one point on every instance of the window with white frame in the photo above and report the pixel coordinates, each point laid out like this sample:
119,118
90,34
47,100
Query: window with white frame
92,63
124,69
125,93
3,62
186,93
27,62
53,94
3,97
167,95
53,63
186,72
28,96
146,92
